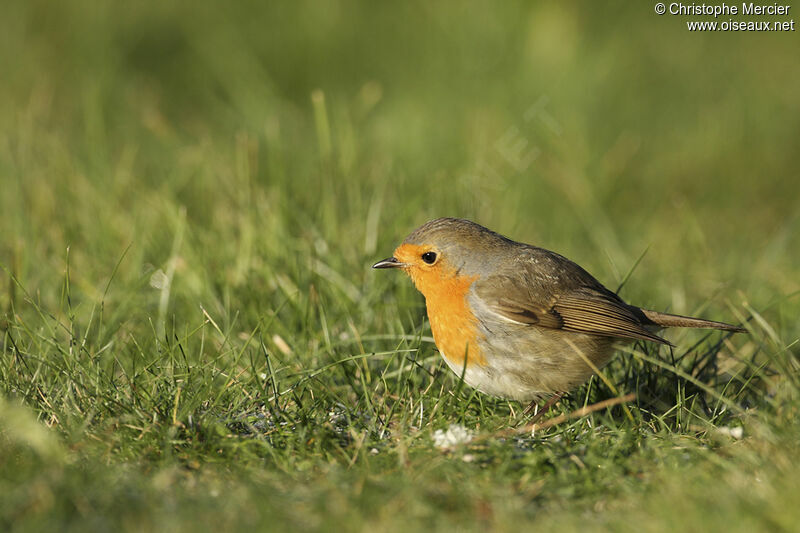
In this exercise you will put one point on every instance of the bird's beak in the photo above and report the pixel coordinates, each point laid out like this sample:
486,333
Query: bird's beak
390,262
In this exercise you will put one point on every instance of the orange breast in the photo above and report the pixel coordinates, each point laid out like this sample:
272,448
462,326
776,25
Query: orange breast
453,325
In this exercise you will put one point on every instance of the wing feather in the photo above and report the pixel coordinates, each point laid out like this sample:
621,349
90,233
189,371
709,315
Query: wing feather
549,291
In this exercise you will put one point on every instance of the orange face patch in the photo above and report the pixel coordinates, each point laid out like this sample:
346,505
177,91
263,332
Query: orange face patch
453,323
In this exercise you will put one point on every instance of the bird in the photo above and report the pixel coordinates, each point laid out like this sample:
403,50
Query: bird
517,321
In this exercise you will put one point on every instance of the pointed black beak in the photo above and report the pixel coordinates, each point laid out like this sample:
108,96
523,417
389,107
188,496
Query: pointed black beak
391,262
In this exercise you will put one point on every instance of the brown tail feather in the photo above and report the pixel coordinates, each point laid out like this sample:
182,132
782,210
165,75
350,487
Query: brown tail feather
677,321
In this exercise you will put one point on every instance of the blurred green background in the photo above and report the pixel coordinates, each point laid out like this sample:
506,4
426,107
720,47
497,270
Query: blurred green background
115,116
247,162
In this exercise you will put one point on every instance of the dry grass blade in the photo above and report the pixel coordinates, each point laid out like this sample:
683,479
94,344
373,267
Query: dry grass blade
583,411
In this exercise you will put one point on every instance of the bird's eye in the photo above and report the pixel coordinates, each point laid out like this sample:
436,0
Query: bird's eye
429,257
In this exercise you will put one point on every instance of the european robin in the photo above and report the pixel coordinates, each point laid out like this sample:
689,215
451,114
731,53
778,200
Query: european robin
515,320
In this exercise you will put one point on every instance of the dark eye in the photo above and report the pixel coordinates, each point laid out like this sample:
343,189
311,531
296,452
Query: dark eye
429,257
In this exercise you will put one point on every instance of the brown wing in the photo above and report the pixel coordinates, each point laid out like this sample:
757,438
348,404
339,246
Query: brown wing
549,291
602,313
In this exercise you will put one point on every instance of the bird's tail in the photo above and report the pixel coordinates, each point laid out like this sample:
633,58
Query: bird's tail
677,321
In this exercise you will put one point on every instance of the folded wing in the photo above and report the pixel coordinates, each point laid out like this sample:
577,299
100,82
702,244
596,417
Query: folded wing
549,291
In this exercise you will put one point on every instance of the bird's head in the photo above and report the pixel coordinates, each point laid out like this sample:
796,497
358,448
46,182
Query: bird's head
446,249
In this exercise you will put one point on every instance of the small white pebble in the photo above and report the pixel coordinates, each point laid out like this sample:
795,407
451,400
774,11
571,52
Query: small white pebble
456,434
374,451
736,433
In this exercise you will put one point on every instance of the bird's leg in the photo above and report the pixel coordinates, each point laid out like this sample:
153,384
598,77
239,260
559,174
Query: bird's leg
532,408
546,407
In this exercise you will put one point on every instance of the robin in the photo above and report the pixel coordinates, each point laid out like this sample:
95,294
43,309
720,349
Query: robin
518,321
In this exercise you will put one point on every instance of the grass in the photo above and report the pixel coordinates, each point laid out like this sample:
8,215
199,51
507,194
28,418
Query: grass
192,338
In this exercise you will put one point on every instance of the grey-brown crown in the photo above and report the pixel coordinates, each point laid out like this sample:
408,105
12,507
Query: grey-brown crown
466,245
443,231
